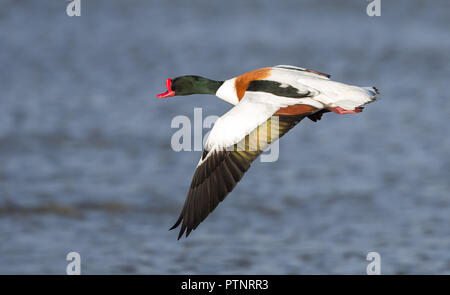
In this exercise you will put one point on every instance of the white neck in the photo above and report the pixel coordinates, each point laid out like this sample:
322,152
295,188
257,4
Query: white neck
227,92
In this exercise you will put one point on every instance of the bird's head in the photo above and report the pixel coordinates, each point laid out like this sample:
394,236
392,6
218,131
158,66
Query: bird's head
187,85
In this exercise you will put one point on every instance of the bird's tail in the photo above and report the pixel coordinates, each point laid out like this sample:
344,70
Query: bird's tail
373,91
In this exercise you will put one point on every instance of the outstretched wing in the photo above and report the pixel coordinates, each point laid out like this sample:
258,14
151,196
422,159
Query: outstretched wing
225,160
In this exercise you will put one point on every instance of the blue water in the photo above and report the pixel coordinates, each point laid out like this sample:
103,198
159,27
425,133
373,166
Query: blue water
86,163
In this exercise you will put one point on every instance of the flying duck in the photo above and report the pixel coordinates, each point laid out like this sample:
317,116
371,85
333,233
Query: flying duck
268,102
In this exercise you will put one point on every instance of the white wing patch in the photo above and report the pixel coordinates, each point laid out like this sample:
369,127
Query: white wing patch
243,118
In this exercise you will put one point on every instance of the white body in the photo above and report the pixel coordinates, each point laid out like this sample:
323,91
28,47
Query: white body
324,92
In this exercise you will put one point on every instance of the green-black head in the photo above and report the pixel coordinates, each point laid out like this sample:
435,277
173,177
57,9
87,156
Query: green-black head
187,85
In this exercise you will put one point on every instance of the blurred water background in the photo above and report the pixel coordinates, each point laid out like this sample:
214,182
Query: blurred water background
86,163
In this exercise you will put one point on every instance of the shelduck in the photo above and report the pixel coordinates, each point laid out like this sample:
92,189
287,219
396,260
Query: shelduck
268,103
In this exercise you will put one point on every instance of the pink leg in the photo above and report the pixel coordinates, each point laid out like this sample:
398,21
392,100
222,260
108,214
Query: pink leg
339,110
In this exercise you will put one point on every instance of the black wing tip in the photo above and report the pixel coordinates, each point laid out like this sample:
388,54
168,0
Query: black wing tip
180,235
182,229
177,223
376,90
189,230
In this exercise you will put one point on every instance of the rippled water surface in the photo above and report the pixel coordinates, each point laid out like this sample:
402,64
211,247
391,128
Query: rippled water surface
86,163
